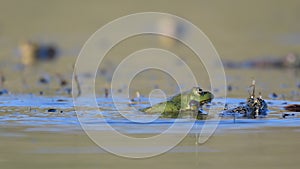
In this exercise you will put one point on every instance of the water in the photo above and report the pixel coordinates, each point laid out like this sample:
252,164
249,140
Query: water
31,136
58,114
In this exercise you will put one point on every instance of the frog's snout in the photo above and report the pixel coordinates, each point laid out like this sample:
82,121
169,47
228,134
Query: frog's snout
211,95
206,97
207,94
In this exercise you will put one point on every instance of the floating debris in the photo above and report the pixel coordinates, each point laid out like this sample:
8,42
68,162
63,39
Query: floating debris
62,82
3,91
2,79
77,82
32,52
52,110
229,88
44,80
298,85
68,90
273,96
137,96
293,107
61,100
288,115
253,108
106,92
119,90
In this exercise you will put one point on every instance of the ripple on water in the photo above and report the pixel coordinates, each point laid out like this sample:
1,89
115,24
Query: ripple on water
30,110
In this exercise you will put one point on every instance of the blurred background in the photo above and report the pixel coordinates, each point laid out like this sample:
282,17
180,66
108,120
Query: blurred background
256,33
41,39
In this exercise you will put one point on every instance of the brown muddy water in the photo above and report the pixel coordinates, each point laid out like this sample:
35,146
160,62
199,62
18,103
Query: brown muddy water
33,136
275,147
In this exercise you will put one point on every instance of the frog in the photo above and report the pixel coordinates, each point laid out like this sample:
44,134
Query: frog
188,101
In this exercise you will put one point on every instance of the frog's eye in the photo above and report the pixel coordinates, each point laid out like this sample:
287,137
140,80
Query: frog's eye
200,91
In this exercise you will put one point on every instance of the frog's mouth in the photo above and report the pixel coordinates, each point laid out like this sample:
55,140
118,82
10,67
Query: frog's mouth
209,97
205,101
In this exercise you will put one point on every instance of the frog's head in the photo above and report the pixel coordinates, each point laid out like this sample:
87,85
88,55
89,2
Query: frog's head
201,96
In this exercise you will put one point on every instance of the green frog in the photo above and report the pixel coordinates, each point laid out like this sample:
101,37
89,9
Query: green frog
190,101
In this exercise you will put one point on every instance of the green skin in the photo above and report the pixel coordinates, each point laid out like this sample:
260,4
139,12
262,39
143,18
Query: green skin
190,100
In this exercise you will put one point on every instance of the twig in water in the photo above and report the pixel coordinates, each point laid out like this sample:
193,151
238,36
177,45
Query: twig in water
2,79
77,82
252,95
106,92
